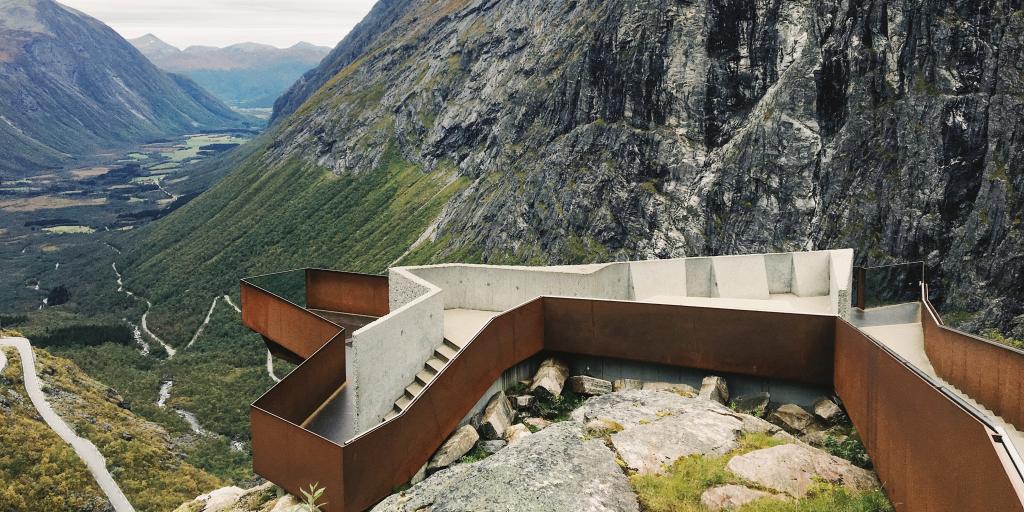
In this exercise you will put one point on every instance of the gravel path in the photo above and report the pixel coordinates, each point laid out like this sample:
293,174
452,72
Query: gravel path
84,448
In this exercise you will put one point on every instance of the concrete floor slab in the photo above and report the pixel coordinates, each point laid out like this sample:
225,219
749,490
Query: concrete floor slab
461,325
782,302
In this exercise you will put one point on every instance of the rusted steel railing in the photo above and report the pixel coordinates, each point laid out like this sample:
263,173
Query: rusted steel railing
930,450
348,292
283,450
290,330
989,372
788,346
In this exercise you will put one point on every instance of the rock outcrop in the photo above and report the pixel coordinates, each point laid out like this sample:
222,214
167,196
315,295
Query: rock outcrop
795,468
731,496
552,470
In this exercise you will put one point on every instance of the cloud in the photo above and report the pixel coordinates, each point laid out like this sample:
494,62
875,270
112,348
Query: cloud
223,22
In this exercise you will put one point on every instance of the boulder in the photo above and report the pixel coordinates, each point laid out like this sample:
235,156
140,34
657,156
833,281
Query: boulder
555,470
516,433
727,497
755,404
523,402
793,419
496,417
493,446
221,499
537,423
795,468
286,503
701,428
459,444
827,410
549,379
590,386
715,389
624,384
679,389
630,408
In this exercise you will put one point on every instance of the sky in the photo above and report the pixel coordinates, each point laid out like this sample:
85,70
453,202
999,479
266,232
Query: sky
184,23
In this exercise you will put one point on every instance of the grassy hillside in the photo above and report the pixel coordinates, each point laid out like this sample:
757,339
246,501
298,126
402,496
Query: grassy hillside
40,472
248,224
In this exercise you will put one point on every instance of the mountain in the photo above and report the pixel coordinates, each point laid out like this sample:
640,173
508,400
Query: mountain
384,13
549,132
70,87
244,75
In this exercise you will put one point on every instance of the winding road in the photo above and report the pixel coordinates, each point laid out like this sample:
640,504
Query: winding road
84,448
149,305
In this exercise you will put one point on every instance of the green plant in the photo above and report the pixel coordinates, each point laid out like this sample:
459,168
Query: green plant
474,455
311,498
558,408
999,337
850,448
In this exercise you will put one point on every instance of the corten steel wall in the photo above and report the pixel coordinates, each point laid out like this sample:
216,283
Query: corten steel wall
787,346
929,452
360,294
288,326
283,451
991,373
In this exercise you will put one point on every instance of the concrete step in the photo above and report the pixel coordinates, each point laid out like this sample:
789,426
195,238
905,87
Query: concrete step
392,413
452,343
425,376
414,388
435,364
403,402
447,351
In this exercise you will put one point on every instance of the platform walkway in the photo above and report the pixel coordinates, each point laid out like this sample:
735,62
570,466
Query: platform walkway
905,336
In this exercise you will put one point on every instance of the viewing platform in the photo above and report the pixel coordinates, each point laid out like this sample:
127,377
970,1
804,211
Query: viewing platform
390,366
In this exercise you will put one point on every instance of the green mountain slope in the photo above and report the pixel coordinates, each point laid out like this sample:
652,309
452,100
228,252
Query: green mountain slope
42,473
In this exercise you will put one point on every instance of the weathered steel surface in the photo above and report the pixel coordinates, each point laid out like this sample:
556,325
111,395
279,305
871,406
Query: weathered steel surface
787,346
295,458
360,294
991,373
929,452
296,330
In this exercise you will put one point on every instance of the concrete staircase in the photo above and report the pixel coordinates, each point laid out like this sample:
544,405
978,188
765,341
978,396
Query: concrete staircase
442,355
1016,437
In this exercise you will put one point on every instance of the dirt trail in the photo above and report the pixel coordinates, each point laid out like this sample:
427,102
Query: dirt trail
87,451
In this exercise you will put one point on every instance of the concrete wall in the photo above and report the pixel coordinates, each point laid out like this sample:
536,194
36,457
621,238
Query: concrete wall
840,277
499,288
657,277
389,352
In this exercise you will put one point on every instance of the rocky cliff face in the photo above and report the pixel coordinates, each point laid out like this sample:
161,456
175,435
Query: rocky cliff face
70,86
589,130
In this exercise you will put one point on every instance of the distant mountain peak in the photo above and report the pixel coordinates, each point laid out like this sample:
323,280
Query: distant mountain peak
151,44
